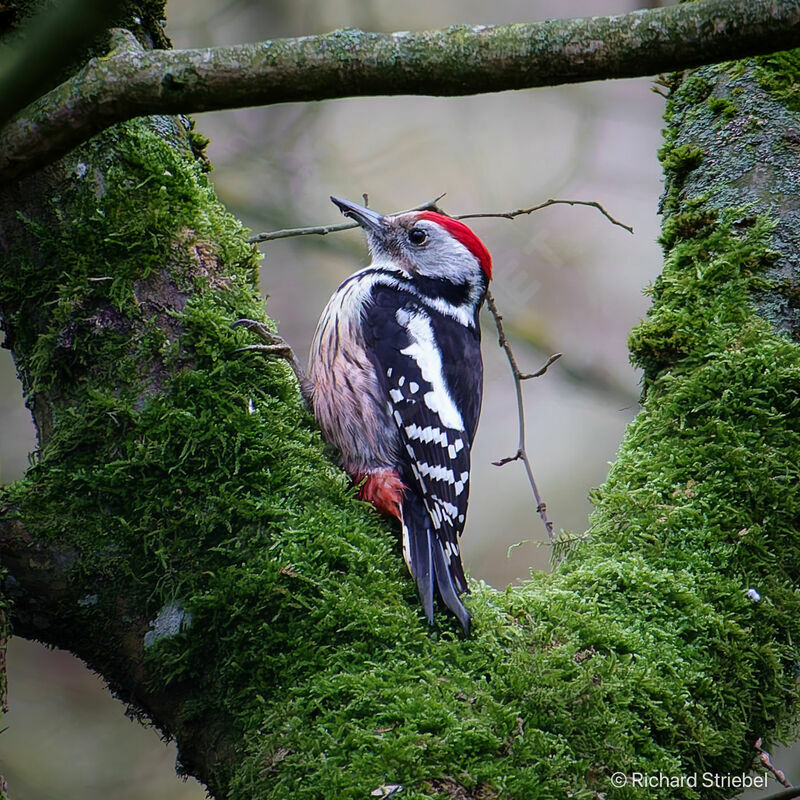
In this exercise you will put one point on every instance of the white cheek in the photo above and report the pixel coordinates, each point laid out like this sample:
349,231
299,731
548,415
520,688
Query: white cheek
446,257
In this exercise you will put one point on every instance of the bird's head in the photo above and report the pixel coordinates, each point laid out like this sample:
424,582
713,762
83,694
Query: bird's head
423,243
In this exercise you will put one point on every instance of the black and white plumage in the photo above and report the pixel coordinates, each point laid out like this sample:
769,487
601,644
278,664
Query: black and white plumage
395,378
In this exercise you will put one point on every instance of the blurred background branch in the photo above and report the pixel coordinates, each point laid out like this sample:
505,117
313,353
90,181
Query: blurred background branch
45,46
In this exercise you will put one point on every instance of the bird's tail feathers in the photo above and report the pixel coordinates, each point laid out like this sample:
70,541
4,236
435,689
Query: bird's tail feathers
418,553
430,565
446,583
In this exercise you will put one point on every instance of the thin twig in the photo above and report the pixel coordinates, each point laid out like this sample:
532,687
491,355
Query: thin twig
323,230
541,371
763,757
3,668
551,202
521,454
786,794
285,233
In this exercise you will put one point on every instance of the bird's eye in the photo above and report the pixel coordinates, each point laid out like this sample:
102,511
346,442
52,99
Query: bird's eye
417,236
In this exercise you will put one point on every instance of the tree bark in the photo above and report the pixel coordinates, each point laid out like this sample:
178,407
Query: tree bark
183,531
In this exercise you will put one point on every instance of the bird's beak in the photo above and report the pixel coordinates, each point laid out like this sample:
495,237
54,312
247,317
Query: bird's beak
367,218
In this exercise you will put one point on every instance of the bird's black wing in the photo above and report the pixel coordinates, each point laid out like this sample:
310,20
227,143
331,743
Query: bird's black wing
434,397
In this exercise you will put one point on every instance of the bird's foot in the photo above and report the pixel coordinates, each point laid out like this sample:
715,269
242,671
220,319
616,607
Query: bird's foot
261,329
273,345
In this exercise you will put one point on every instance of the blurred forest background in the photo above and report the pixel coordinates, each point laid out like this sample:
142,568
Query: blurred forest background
565,279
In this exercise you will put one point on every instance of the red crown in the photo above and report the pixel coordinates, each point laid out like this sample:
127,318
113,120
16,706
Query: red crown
464,235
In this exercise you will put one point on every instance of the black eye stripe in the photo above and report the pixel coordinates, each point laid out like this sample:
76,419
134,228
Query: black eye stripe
417,236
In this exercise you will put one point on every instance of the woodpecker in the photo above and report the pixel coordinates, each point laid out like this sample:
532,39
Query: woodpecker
395,381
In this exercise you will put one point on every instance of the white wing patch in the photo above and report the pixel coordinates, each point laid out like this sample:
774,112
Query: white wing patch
424,351
438,473
427,434
454,448
448,509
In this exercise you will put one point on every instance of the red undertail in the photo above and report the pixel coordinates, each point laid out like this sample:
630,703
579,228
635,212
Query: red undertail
383,489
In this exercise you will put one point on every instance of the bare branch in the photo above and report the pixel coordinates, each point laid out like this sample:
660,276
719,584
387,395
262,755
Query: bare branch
323,230
519,376
457,61
521,454
541,371
766,762
547,204
315,230
786,794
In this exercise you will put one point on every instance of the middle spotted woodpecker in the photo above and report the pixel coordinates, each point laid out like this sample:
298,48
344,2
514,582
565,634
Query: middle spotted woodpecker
395,381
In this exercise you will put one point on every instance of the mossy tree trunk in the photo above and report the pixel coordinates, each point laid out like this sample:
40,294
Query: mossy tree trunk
182,530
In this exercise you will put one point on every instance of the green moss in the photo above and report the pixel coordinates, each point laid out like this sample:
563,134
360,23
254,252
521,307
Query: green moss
681,159
712,262
723,107
695,87
694,221
117,267
779,74
199,143
678,160
700,481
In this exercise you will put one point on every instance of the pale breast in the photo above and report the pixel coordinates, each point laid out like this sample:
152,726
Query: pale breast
347,398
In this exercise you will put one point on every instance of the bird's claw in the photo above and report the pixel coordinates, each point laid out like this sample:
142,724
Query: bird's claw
273,345
261,330
279,348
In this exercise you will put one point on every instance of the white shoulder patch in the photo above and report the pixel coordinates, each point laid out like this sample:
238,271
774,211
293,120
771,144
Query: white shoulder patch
424,350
